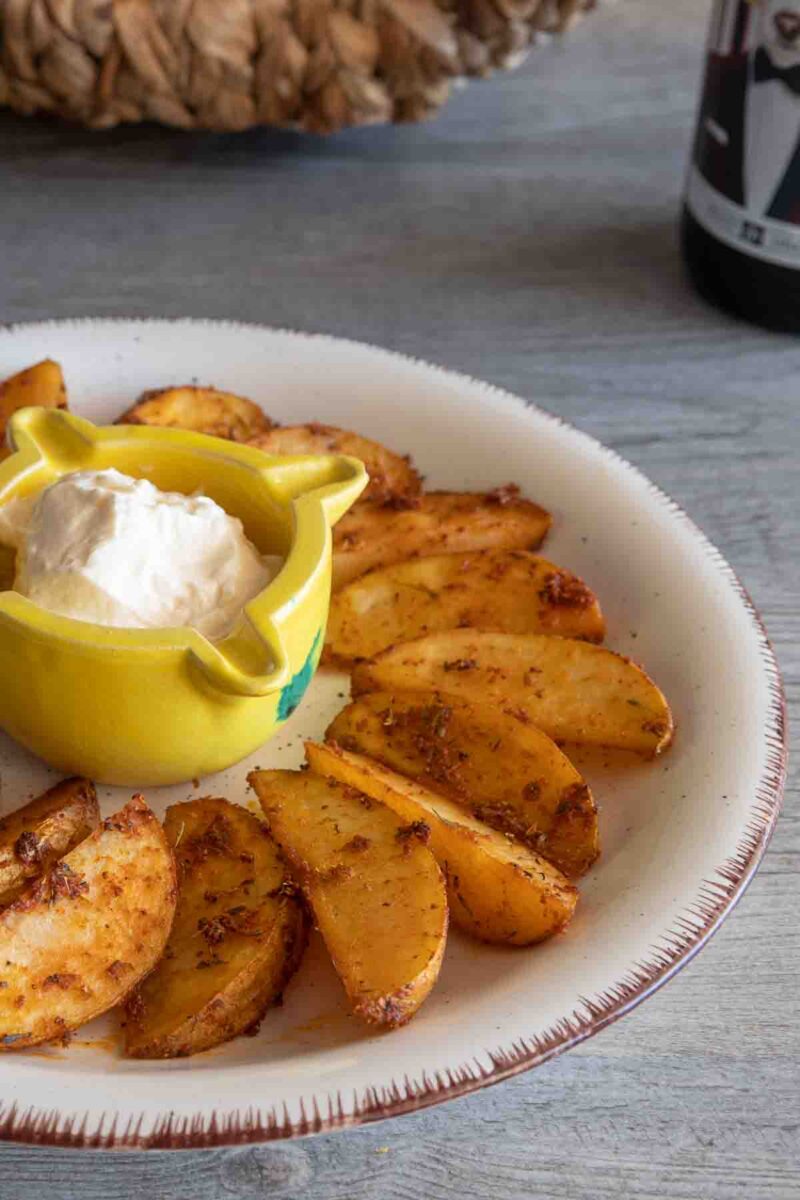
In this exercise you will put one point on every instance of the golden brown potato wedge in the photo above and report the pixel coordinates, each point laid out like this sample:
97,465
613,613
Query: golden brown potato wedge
391,476
374,535
377,894
572,690
202,409
512,591
238,936
498,889
78,939
509,775
38,834
41,385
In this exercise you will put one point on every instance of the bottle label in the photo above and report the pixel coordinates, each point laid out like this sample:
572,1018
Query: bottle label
744,179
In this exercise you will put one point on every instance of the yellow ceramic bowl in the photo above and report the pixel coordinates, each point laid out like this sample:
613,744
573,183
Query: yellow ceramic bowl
147,707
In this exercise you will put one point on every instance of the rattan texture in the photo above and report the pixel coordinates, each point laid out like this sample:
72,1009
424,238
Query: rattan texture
317,65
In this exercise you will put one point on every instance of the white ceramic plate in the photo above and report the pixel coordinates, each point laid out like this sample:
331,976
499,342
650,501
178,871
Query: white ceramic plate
681,836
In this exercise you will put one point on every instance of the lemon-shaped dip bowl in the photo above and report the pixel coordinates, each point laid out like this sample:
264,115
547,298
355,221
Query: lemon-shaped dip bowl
146,707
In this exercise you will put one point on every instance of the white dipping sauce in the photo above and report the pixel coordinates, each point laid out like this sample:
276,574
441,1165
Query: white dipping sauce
103,547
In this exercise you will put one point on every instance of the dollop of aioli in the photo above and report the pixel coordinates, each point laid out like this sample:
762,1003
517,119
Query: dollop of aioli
101,546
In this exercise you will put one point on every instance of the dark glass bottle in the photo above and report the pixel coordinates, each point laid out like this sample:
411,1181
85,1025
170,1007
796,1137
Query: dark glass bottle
741,217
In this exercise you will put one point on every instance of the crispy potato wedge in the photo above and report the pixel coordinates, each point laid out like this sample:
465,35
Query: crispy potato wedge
202,409
238,936
391,477
78,939
377,894
509,775
373,535
38,834
512,591
41,385
572,690
498,889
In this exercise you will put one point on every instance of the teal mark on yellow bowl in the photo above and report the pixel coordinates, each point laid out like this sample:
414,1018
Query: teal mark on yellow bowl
295,689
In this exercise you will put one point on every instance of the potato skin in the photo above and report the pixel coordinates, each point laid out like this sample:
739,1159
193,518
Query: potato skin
239,935
41,385
374,535
509,775
392,478
347,854
498,890
574,691
35,836
511,591
202,409
77,940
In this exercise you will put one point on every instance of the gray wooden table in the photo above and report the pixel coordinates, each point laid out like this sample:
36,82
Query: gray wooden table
527,237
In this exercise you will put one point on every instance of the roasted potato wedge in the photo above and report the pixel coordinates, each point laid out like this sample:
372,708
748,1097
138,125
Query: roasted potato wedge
238,936
202,409
391,477
509,775
511,591
38,834
572,690
498,889
377,894
374,535
78,939
41,385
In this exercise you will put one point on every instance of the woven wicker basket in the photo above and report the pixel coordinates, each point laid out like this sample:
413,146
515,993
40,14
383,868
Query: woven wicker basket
229,64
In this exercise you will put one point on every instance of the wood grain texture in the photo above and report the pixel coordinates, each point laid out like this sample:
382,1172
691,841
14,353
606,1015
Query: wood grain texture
527,237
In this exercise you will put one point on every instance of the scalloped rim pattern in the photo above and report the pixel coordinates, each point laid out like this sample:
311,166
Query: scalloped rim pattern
714,901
